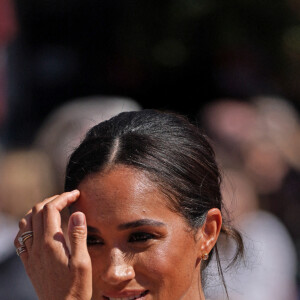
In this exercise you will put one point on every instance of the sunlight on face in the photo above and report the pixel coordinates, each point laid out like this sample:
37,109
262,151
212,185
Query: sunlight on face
139,248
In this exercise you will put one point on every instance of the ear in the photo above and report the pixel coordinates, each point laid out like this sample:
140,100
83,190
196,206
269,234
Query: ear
208,234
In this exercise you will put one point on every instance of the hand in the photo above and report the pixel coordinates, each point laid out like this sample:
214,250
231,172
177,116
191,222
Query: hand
56,272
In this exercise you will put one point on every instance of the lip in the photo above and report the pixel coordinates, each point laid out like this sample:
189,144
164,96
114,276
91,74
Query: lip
140,294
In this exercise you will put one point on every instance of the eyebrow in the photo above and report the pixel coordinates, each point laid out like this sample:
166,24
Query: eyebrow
139,223
134,224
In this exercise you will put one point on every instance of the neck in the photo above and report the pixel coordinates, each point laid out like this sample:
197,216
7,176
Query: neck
196,290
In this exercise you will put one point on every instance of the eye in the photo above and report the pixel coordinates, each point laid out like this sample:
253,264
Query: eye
140,237
93,240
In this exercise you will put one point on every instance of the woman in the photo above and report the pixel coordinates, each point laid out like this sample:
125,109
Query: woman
143,190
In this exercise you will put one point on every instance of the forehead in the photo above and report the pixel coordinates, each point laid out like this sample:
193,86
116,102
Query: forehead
122,192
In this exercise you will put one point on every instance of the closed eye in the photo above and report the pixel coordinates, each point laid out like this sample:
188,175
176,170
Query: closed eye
139,237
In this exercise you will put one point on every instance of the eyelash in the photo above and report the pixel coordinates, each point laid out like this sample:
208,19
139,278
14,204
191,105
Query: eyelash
93,240
137,237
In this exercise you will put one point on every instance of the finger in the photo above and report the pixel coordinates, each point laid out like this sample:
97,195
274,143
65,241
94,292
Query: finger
25,224
37,219
51,212
24,245
18,247
21,247
27,240
77,237
22,252
65,199
80,261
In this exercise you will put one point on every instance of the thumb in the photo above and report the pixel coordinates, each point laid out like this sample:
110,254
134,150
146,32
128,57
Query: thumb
77,235
80,261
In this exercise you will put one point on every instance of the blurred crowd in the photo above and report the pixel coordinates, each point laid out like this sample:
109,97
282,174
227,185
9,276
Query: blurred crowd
257,144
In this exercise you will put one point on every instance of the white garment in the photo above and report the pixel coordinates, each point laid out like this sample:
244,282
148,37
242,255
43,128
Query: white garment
269,272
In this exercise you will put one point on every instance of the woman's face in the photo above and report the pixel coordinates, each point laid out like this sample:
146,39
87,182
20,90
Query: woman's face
140,249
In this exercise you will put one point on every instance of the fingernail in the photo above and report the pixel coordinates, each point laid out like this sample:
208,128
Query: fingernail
78,219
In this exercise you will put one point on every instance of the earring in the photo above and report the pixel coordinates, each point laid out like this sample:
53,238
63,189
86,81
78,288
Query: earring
205,256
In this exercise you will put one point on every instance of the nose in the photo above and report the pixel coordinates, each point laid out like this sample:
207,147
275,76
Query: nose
118,270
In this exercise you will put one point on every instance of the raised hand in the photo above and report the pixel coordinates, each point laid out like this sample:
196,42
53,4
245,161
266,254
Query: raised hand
56,270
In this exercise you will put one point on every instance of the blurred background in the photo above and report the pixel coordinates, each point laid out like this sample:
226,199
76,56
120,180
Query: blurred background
232,67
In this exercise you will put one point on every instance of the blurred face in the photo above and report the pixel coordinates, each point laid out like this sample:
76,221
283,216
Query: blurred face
139,248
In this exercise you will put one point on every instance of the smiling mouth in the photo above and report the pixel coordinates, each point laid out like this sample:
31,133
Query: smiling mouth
140,296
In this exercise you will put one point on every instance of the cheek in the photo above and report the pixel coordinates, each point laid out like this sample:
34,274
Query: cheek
96,264
168,266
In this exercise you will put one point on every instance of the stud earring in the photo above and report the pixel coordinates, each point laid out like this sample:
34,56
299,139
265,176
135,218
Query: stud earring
205,256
